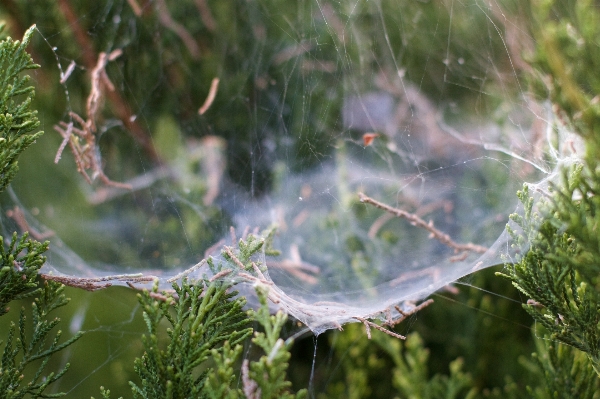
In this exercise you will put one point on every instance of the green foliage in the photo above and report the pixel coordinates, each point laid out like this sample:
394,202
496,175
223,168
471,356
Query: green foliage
565,55
21,260
560,298
20,352
201,319
563,371
266,378
17,120
220,380
410,374
18,270
206,326
105,393
365,362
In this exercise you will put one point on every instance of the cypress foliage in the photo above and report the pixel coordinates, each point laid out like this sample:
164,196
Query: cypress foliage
17,119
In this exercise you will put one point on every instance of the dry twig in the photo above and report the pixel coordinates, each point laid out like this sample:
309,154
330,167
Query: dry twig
18,216
229,252
155,295
405,315
119,106
97,283
417,221
212,93
137,10
249,386
187,271
87,155
206,15
368,324
165,18
221,274
297,267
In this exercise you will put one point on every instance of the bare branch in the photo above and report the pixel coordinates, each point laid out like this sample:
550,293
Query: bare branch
137,10
187,271
222,273
417,221
64,76
368,324
87,155
119,106
206,15
97,283
18,216
249,386
234,258
405,315
212,93
165,18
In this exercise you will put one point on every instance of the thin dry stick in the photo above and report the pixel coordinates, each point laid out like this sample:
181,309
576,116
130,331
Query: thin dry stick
140,182
232,235
245,233
66,130
212,93
460,257
378,224
249,386
19,217
154,295
165,18
100,84
417,221
97,283
296,267
258,272
214,164
250,278
187,271
414,274
119,106
87,156
206,15
405,315
64,76
222,273
234,258
369,324
137,10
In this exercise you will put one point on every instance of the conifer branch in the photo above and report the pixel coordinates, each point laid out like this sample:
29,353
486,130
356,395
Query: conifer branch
17,119
551,273
20,351
204,316
21,261
266,378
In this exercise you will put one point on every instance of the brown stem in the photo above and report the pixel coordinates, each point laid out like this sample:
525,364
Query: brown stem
206,15
119,106
417,221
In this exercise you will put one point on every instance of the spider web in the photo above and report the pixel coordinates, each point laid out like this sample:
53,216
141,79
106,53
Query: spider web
452,172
